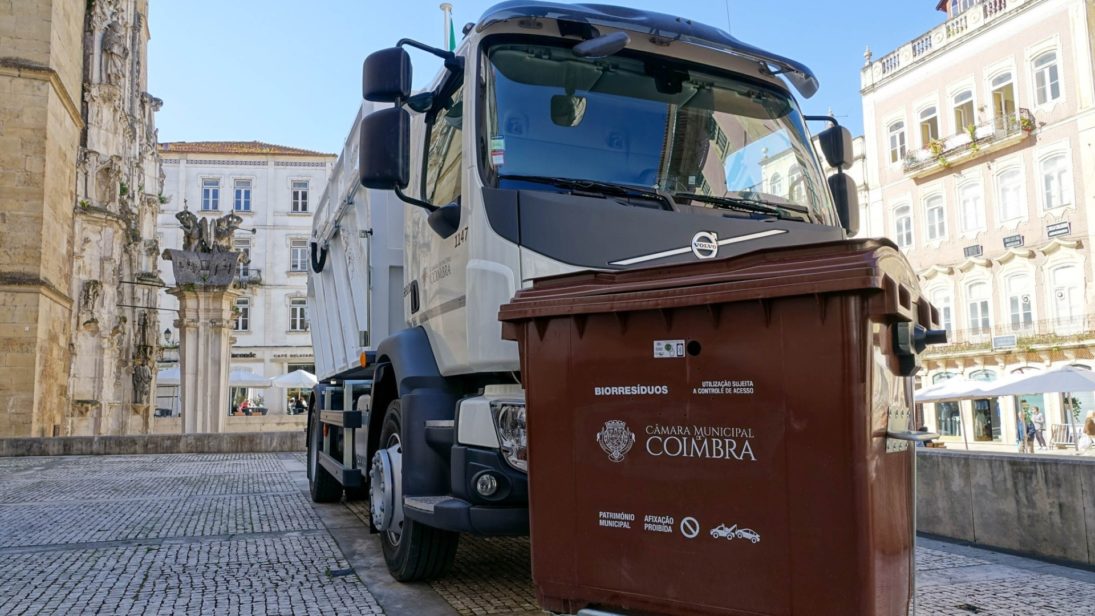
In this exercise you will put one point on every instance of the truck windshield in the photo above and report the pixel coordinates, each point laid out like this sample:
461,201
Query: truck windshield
645,121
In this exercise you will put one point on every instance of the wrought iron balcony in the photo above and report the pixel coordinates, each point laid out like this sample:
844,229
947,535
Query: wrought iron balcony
248,275
1019,334
977,140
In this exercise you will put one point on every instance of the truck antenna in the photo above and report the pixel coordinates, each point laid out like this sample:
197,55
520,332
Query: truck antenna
728,30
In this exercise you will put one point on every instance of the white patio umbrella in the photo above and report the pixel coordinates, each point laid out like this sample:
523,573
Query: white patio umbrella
297,379
242,377
169,377
952,389
1065,378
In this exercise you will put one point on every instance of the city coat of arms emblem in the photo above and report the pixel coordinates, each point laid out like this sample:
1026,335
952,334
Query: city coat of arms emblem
615,439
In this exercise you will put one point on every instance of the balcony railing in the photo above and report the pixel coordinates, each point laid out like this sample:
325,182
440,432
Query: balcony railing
982,15
974,141
1027,333
248,275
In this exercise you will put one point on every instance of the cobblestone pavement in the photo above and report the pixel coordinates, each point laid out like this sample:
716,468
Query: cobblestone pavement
171,534
236,534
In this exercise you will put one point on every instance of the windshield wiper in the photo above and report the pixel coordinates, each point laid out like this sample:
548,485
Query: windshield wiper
595,186
745,204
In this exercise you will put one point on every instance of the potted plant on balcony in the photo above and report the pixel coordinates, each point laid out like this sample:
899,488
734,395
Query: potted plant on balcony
1026,124
936,147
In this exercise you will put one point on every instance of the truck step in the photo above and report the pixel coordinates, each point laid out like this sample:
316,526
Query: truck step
441,435
425,504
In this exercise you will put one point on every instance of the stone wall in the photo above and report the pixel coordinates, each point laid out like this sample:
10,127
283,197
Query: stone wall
1042,506
257,423
251,442
40,73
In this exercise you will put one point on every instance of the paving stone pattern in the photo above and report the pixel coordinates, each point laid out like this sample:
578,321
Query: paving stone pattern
185,534
235,534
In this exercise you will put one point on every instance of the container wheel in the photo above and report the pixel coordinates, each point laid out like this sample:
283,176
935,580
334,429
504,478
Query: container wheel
321,485
412,550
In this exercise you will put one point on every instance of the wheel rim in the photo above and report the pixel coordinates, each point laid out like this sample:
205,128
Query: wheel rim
385,490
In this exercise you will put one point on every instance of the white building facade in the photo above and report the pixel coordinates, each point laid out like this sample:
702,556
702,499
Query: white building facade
980,142
275,190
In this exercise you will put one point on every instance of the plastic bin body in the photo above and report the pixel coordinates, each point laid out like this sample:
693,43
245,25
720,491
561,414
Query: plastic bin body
710,438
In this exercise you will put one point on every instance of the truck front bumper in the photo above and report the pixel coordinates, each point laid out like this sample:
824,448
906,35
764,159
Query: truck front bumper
505,512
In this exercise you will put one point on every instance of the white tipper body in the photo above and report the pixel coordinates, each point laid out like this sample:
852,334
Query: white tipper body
357,299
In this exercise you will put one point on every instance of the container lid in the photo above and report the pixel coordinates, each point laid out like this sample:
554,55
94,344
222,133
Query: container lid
874,265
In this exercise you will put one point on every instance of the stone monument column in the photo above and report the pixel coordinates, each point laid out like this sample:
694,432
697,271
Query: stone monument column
204,272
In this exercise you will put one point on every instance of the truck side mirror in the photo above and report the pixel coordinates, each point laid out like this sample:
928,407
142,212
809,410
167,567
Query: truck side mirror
386,76
385,141
836,145
846,198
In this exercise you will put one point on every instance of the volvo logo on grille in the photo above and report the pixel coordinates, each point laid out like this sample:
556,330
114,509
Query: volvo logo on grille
705,245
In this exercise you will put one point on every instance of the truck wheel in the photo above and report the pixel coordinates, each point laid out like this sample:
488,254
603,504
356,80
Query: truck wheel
323,487
412,550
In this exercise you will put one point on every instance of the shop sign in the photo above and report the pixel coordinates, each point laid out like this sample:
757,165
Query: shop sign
973,251
1013,241
1058,229
1009,341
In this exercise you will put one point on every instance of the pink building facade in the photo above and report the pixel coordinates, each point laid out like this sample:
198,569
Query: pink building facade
980,150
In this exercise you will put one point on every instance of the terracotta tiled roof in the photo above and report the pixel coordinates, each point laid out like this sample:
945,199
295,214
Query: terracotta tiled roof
234,147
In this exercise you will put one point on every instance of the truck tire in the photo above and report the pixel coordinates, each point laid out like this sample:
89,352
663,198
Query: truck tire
416,552
321,485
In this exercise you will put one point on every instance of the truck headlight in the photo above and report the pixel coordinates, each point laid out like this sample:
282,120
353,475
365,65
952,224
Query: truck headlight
509,422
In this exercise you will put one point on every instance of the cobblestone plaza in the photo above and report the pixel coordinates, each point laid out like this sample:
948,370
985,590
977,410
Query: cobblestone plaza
236,534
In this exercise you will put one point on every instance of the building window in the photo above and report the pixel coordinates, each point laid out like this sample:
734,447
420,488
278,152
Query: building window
963,111
937,218
941,299
300,197
897,142
242,200
903,226
1020,290
1068,298
929,126
298,317
949,419
1009,194
1056,182
243,315
211,194
973,210
1047,85
979,308
775,185
796,185
298,255
1003,101
957,6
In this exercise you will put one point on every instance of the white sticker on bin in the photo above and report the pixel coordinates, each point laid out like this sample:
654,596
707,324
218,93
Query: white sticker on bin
668,348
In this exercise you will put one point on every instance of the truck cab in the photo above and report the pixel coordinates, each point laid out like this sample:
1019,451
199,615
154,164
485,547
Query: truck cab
557,138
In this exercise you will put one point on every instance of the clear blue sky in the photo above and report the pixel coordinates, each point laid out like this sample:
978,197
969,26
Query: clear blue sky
289,72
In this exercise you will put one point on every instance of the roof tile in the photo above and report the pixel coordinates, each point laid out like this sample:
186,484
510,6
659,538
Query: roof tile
234,147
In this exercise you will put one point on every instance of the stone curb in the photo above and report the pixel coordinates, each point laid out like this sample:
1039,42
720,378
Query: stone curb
233,442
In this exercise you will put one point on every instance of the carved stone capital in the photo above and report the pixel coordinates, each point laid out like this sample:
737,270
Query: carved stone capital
202,269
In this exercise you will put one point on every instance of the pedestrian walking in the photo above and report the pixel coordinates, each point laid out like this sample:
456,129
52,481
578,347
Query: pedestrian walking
1086,443
1039,420
1024,433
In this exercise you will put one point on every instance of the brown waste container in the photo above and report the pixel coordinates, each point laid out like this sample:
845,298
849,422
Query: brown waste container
712,438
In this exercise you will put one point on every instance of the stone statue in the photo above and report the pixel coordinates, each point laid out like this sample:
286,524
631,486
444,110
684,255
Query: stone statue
205,235
115,53
189,223
224,228
142,380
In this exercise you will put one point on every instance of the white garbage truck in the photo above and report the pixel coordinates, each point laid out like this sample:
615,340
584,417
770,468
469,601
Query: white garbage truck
556,138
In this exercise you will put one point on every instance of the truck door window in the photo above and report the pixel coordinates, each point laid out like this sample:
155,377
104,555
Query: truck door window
444,156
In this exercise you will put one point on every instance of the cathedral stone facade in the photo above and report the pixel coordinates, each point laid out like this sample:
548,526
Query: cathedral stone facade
81,181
